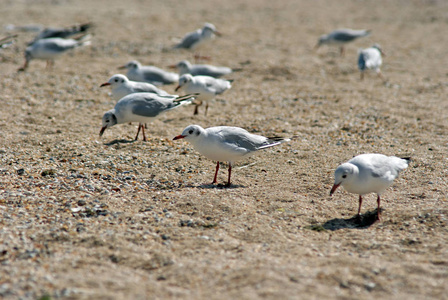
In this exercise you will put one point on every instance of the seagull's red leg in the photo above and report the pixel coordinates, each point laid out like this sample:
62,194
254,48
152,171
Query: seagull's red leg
342,51
138,130
196,108
362,76
360,203
216,173
230,172
206,108
143,131
378,200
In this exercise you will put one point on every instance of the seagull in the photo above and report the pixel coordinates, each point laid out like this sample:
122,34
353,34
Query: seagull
225,143
193,39
150,74
185,67
61,32
122,86
142,108
341,37
370,58
52,48
207,88
368,173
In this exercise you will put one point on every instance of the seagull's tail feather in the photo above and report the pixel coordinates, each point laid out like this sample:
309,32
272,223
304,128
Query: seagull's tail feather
84,40
276,140
367,32
186,99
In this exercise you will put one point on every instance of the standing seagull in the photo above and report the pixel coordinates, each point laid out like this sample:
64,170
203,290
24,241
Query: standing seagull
224,143
122,86
341,37
370,58
185,67
368,173
193,39
51,48
205,86
142,108
150,74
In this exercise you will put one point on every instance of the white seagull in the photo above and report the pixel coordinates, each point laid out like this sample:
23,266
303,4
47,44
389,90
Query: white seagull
185,67
51,48
370,59
224,143
150,74
142,108
341,37
368,173
121,86
193,39
205,86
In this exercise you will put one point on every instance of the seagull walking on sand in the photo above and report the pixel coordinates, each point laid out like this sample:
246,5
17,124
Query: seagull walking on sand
368,173
224,143
185,67
340,37
150,74
51,48
193,39
121,86
142,108
205,86
370,59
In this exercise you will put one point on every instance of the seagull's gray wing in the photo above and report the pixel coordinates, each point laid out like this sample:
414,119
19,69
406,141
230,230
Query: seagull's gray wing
152,106
189,40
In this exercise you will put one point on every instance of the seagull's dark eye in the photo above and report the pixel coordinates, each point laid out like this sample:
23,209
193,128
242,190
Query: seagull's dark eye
107,121
191,131
116,80
344,176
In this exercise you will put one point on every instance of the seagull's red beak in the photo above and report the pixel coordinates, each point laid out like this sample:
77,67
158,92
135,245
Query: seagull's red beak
180,136
178,87
121,67
218,33
172,66
105,84
102,130
333,189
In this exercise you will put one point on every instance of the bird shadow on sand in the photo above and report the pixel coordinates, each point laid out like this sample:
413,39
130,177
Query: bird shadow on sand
363,221
114,142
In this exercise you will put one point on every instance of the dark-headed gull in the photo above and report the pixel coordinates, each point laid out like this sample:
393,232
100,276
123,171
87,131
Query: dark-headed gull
370,59
341,37
142,108
368,173
51,48
185,67
150,74
224,143
193,39
205,86
122,86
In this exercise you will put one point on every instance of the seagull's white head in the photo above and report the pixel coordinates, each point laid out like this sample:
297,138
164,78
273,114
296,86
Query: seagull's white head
343,175
116,80
133,64
209,29
183,66
109,120
183,80
191,133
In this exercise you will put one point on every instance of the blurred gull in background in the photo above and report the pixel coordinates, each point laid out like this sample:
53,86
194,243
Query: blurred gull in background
341,37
